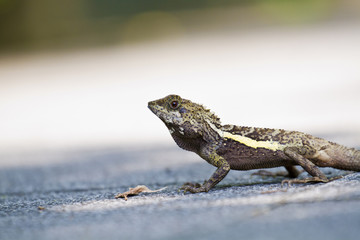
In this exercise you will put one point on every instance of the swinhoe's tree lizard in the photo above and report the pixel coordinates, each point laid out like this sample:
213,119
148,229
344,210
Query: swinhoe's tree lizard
195,128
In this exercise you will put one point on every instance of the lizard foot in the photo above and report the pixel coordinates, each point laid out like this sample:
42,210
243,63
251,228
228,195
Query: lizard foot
305,180
193,188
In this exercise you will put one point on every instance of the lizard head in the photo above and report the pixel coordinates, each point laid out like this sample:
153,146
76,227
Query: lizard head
183,117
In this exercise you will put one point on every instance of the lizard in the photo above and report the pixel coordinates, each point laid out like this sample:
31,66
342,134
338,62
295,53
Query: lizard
229,147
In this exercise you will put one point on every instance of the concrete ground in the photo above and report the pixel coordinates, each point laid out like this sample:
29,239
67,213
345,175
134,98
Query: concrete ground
73,198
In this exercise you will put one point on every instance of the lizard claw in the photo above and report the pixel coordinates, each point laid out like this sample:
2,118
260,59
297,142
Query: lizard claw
286,181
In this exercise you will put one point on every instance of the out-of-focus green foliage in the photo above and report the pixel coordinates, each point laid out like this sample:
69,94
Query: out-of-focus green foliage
66,23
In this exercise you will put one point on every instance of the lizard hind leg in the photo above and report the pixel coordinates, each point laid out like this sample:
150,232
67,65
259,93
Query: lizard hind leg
307,165
293,172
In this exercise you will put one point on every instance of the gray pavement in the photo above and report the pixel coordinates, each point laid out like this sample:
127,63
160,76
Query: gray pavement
77,194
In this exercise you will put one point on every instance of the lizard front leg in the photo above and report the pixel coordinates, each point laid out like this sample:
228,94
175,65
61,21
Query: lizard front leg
222,170
297,155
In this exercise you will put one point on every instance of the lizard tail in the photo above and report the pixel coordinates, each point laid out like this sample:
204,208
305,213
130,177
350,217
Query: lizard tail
343,157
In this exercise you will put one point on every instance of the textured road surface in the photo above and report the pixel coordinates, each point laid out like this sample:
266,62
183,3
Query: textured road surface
76,191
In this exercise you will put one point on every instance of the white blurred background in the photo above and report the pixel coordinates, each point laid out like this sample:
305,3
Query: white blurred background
279,68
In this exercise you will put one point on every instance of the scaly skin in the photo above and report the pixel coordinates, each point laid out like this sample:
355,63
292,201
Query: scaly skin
195,128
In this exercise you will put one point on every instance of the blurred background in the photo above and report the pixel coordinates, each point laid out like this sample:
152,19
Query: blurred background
79,73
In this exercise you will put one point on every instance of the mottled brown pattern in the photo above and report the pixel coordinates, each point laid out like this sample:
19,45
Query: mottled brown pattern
267,134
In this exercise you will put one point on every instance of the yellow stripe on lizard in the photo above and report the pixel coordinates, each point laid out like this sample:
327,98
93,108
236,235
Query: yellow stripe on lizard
253,143
271,145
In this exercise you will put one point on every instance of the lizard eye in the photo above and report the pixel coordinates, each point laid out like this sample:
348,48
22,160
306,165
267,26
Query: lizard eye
174,104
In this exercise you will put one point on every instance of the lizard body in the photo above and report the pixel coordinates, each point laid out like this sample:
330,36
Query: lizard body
195,128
